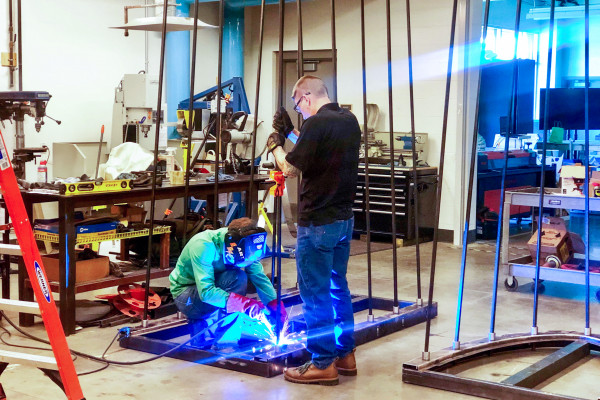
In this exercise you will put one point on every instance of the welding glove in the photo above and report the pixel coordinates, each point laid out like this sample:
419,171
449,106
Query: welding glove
272,312
275,140
248,306
282,122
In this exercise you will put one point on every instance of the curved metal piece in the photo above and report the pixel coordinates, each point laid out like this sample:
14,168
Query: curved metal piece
155,163
438,201
513,123
538,260
249,198
188,156
434,372
414,150
366,144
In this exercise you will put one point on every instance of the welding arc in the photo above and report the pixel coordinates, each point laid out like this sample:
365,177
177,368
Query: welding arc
438,197
465,239
249,198
512,115
366,146
219,122
392,153
155,164
543,172
102,359
188,167
586,193
415,180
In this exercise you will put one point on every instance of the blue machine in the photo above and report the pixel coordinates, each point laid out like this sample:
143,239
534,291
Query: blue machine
237,103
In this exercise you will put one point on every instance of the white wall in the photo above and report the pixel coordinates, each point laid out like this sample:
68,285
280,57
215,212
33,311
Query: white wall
69,51
430,22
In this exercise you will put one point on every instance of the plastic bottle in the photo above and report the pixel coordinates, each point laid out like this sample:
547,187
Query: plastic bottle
42,172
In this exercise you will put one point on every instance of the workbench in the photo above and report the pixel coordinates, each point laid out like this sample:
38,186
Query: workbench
67,204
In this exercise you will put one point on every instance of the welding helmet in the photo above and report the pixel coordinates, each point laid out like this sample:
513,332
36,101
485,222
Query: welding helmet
242,248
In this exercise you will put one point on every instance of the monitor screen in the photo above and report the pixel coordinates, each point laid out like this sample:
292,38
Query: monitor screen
567,108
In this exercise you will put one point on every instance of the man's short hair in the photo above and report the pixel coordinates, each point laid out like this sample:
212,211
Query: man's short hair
312,84
243,227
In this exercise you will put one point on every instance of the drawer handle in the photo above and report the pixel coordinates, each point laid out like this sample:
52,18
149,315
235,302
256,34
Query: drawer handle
378,212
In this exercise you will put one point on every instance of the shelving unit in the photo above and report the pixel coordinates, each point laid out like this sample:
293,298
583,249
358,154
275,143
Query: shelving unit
525,266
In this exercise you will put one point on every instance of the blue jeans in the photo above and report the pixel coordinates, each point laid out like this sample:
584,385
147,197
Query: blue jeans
322,254
188,302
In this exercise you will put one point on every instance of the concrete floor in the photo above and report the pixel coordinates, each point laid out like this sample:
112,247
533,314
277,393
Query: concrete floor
379,362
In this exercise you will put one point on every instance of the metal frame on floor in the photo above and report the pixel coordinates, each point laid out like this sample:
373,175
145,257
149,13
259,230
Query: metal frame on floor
571,348
271,360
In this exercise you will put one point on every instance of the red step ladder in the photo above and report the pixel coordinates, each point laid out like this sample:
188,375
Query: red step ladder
67,376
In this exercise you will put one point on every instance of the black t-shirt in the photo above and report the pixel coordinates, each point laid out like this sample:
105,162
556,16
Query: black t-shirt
327,155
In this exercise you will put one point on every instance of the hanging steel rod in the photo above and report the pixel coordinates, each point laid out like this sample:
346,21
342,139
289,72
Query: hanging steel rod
441,175
465,240
586,193
155,164
190,127
366,144
334,52
249,198
219,122
392,156
512,124
415,191
538,261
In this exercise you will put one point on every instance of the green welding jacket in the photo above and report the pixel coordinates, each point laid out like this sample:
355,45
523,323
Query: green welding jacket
199,262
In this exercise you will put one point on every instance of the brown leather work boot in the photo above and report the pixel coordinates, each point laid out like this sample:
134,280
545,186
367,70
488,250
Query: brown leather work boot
347,365
308,373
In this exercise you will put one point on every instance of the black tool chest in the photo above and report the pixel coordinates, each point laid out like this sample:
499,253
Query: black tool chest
380,201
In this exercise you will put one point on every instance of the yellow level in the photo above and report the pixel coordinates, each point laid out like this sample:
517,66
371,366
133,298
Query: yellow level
95,187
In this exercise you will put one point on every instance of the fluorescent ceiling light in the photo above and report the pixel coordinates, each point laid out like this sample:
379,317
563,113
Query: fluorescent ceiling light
543,13
155,24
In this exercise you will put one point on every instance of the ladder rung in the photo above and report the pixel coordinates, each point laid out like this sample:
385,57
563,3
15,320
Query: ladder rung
28,307
34,360
10,249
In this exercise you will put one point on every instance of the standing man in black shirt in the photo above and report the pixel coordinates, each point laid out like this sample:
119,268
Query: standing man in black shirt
326,154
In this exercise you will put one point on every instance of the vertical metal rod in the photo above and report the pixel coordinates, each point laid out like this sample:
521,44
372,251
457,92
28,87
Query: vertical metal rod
366,144
219,122
586,193
538,261
438,202
392,153
277,227
513,124
188,167
11,45
249,199
465,241
415,179
280,83
333,51
300,61
19,46
155,164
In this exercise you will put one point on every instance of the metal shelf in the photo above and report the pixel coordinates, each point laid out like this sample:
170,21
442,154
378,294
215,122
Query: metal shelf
97,238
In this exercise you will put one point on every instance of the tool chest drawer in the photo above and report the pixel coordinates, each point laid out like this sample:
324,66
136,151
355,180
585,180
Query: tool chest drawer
380,200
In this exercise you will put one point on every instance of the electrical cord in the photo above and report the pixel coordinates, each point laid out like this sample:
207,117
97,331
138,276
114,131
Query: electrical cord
103,358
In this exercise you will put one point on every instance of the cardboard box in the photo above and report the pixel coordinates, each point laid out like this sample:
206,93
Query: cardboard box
595,184
554,240
128,212
572,179
86,270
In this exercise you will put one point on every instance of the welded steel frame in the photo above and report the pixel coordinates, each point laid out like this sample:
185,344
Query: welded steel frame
158,338
519,386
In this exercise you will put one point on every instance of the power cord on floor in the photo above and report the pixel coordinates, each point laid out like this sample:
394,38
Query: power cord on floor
121,332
